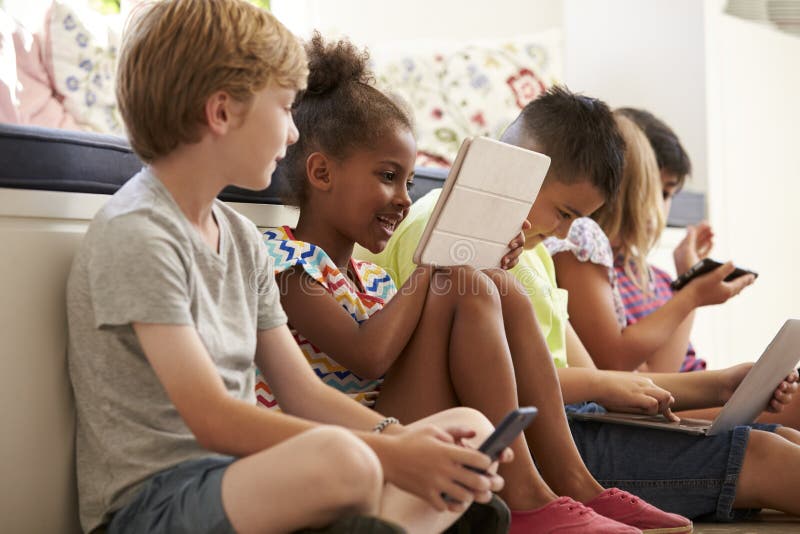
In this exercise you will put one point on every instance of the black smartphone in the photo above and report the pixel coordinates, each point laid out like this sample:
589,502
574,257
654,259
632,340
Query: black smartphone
507,431
704,266
504,433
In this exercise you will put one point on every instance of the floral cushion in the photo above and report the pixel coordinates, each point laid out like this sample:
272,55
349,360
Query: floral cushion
466,89
26,93
81,56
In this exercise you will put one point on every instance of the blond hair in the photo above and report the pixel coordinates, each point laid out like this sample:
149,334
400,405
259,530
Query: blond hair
634,220
177,53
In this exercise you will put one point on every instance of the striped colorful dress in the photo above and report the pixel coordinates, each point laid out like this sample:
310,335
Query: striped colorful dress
639,304
288,252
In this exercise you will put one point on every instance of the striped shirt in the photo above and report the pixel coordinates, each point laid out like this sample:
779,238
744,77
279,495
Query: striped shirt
639,305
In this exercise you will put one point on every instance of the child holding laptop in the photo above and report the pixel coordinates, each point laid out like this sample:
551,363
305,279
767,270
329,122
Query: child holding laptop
629,315
750,467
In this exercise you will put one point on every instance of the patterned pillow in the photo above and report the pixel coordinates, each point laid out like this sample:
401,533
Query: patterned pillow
81,56
466,89
26,94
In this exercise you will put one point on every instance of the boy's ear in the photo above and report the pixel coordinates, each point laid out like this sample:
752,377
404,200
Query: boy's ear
318,171
219,112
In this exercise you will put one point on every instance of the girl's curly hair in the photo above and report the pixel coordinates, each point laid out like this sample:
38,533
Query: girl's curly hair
340,110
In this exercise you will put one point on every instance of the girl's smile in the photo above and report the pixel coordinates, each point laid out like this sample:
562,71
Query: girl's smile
361,198
390,222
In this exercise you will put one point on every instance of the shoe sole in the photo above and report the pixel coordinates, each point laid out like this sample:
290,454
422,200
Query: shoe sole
673,530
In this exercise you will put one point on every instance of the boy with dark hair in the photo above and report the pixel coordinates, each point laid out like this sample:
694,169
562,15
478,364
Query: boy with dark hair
742,469
578,134
172,301
670,154
586,150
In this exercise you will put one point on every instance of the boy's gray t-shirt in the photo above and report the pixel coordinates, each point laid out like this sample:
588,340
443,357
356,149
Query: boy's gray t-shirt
141,261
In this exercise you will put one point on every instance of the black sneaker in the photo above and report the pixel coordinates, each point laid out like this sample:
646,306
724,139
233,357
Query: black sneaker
494,517
357,524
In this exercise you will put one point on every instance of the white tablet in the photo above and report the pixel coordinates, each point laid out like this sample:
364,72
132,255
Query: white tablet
487,195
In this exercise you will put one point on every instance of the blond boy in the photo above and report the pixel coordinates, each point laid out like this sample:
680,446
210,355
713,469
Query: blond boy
172,300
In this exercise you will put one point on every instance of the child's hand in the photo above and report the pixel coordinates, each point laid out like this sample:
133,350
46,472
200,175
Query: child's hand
515,248
695,246
704,241
783,394
632,393
427,462
460,433
711,288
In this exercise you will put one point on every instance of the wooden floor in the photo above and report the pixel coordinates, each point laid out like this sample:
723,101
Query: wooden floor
767,522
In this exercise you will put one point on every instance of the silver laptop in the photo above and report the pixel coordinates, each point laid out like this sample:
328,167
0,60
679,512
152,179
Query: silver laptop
747,402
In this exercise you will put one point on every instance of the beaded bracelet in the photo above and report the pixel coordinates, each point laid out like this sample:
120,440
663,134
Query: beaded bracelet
381,426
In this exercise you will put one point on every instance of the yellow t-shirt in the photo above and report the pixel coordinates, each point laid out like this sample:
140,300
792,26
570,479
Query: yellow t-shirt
535,271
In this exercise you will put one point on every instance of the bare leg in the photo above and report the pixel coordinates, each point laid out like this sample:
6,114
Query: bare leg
414,514
459,356
549,436
790,416
770,473
281,475
790,434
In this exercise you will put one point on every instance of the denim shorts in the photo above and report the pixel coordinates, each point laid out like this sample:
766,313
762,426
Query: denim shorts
694,476
186,498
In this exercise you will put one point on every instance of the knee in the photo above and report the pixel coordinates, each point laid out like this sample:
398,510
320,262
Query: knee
469,418
349,471
789,434
761,443
510,289
464,282
500,277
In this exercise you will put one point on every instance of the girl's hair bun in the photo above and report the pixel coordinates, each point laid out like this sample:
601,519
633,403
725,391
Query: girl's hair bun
340,111
335,64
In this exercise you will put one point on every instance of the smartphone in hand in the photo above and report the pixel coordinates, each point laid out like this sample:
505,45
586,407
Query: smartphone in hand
504,433
704,266
507,431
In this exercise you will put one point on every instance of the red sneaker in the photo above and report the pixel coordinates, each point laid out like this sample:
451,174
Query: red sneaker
565,516
626,508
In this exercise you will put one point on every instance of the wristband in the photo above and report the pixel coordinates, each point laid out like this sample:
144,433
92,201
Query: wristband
381,426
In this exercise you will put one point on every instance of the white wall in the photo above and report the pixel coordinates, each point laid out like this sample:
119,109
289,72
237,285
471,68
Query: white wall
30,13
368,22
643,53
754,175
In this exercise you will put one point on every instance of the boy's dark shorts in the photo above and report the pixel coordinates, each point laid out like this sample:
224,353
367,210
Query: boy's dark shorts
186,498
